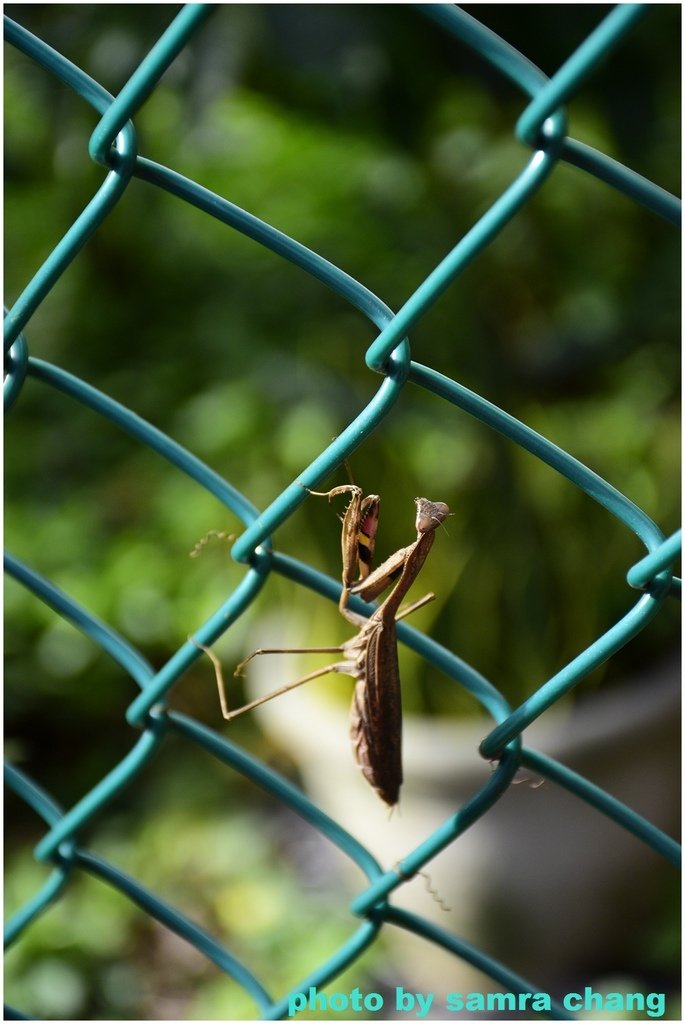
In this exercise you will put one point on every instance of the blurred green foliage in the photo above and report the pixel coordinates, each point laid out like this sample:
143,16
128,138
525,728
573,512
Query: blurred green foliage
370,136
96,956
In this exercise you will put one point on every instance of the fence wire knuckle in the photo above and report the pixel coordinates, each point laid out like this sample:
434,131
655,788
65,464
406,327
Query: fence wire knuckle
542,126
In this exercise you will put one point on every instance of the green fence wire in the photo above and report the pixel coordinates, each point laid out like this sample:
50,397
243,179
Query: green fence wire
113,145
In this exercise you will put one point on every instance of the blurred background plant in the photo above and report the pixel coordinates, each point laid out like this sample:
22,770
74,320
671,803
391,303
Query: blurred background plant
373,138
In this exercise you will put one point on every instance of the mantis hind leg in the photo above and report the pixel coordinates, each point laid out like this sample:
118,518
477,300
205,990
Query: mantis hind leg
221,683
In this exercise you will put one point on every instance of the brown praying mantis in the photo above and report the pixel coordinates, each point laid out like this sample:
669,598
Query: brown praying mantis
370,656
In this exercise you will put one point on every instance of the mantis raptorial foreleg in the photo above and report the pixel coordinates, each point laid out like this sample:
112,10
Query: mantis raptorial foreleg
358,539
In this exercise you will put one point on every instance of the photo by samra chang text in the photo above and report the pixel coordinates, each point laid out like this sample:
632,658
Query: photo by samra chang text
418,1004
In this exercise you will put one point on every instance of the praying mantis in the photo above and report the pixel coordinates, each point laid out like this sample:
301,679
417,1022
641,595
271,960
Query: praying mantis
369,657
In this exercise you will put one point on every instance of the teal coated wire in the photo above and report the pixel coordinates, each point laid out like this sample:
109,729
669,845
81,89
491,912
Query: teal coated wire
11,1013
604,802
359,296
348,953
644,572
154,906
130,659
143,431
444,834
47,808
487,44
49,893
543,125
145,78
565,82
629,182
34,796
70,856
16,365
342,283
590,482
512,981
474,241
157,684
106,790
523,73
272,782
105,199
157,687
176,922
572,674
346,442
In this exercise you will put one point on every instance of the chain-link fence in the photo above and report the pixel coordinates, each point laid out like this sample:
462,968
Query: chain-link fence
543,127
